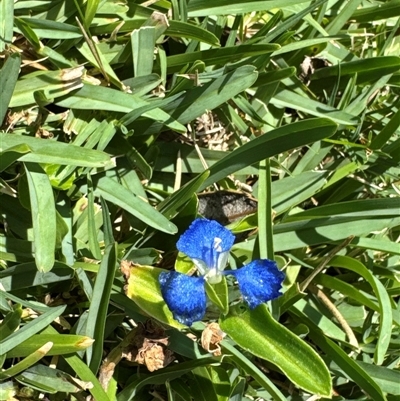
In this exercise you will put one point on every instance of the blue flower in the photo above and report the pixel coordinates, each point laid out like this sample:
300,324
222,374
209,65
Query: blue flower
184,295
259,281
208,243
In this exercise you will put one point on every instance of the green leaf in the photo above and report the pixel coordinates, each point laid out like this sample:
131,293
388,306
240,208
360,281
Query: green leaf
257,332
85,374
388,379
90,11
276,141
6,26
10,155
10,322
377,12
27,362
52,151
96,319
219,56
50,380
52,29
26,275
218,294
366,69
203,8
8,76
62,344
115,193
53,84
347,364
385,326
26,332
287,98
43,211
142,41
143,288
91,97
252,370
171,205
160,377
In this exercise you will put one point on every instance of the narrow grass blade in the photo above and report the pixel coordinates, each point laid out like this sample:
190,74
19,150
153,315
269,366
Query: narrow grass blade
277,141
85,374
98,307
27,362
55,152
62,344
113,192
31,328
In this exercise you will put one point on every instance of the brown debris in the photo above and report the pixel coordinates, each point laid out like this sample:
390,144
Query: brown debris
149,347
125,267
211,337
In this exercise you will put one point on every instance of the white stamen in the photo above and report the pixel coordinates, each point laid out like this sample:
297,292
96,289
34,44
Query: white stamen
217,244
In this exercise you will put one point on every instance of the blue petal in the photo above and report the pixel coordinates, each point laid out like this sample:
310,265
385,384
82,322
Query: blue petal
206,240
184,295
259,281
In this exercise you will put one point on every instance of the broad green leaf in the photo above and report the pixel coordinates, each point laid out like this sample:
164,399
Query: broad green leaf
142,41
171,205
387,379
301,44
43,216
143,288
10,155
90,11
26,275
166,160
53,84
257,332
291,191
178,29
13,249
8,74
342,17
6,25
388,130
